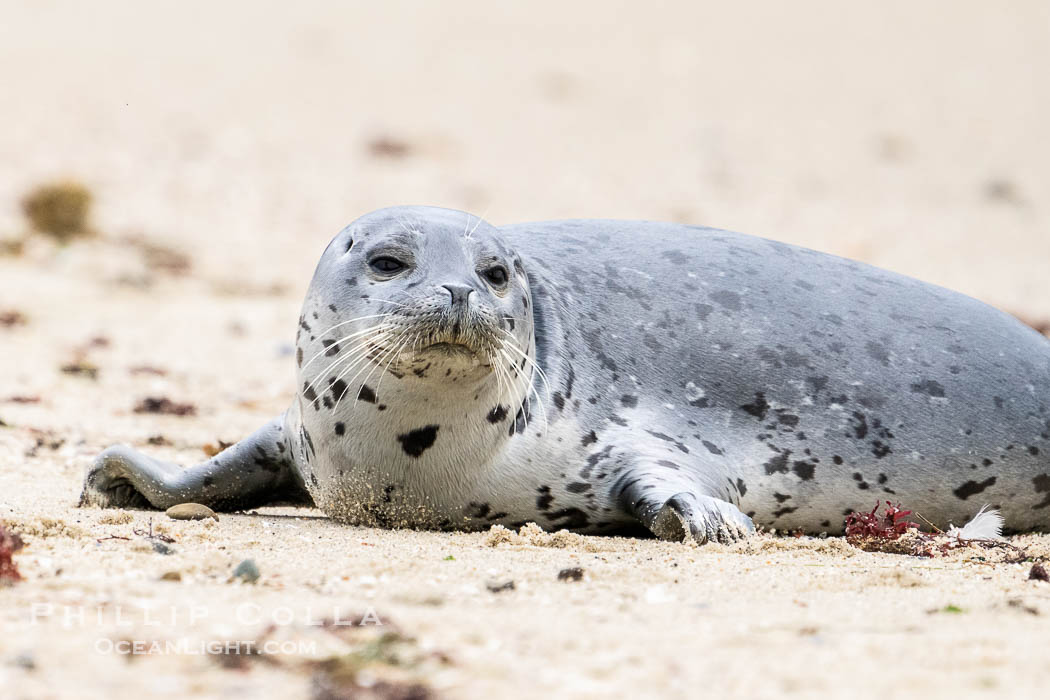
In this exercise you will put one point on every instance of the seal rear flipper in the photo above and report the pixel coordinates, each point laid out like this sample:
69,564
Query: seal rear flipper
257,471
672,508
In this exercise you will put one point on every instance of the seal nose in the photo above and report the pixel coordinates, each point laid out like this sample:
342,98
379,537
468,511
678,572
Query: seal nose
459,293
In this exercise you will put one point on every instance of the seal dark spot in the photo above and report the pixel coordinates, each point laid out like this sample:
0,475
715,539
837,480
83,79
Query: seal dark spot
574,518
333,347
783,511
929,387
712,447
817,384
497,414
267,462
299,357
836,459
1042,485
667,438
726,299
559,400
340,428
589,439
780,497
1033,450
758,407
208,481
629,401
544,500
779,463
366,394
417,442
675,257
477,510
972,487
741,487
877,351
308,392
804,470
859,423
578,487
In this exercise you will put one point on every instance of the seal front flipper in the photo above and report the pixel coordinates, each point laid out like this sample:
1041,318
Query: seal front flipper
257,471
666,502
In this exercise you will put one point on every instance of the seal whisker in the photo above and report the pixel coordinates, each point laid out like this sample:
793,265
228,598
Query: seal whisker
396,355
327,348
345,354
480,219
364,361
391,301
385,352
356,360
353,320
512,345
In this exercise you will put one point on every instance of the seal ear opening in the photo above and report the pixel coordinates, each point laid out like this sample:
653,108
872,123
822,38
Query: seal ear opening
349,244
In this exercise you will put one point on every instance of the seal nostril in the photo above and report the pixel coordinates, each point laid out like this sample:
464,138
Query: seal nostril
459,293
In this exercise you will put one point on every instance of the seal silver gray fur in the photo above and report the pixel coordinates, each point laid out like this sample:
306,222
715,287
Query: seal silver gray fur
598,375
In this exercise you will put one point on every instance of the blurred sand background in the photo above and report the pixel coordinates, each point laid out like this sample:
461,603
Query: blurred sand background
226,143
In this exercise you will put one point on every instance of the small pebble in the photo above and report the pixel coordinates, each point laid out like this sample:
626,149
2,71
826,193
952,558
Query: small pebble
171,576
161,548
246,571
573,574
500,586
190,511
25,661
1038,573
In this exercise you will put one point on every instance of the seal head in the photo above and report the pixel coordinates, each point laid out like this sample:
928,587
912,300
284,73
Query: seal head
415,344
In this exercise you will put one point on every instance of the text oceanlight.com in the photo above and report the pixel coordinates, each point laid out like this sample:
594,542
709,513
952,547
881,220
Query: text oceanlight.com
192,647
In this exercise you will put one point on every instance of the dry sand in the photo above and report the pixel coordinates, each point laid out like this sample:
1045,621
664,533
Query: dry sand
244,135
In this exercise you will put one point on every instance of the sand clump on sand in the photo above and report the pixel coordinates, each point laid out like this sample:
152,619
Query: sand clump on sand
532,535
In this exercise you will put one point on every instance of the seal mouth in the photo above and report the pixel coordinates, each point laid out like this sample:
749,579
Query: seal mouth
450,348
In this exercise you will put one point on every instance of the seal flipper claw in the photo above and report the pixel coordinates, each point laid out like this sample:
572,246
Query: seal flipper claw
256,471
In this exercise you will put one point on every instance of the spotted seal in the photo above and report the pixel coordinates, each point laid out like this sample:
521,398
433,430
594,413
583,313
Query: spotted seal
603,375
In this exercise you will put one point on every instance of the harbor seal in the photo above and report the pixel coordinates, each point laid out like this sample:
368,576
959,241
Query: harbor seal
603,375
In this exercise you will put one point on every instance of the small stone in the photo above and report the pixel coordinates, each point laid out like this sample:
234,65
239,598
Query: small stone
1038,573
246,571
171,576
190,511
500,586
24,661
161,548
574,573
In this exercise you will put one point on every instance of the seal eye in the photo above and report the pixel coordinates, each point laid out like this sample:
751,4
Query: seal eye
497,276
387,265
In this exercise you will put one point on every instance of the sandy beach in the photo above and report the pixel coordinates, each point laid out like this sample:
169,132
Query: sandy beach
224,145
